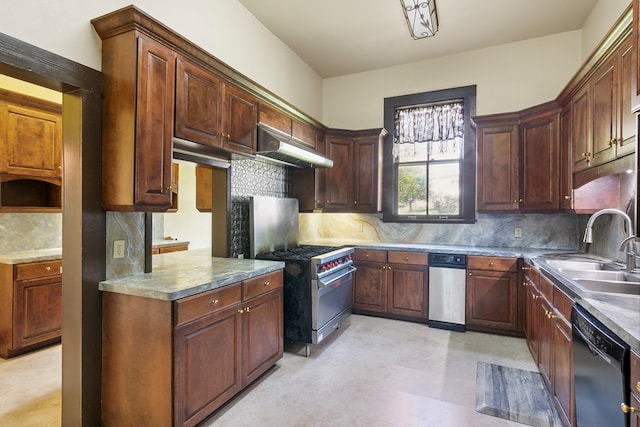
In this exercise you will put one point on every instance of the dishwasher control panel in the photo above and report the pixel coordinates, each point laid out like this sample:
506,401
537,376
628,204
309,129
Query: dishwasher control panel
447,260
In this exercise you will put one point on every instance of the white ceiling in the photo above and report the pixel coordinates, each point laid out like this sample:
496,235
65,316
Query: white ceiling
338,37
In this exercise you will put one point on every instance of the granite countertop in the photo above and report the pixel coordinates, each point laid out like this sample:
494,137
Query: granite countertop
22,257
181,274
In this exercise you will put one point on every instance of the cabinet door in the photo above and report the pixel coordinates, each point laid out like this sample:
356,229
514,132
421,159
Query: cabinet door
30,141
37,315
365,169
492,300
304,133
369,287
198,100
207,366
407,291
604,118
565,169
154,123
274,118
626,143
498,168
581,130
539,177
532,321
545,349
262,334
563,369
239,120
339,187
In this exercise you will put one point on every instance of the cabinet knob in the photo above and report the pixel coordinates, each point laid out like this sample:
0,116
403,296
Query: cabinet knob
169,188
612,142
214,302
241,311
567,197
520,200
406,258
525,284
48,268
470,274
535,297
266,283
355,202
389,267
638,386
627,409
247,309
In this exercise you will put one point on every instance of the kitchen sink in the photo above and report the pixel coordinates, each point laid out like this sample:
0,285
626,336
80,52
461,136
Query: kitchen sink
575,265
617,276
609,286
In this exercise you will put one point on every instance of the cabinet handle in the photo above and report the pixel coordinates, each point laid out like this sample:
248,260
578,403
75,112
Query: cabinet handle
48,268
627,409
169,188
525,284
214,302
490,263
248,309
406,258
241,311
535,297
638,386
567,197
266,283
550,314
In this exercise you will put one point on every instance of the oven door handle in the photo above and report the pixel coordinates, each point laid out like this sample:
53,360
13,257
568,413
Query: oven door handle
323,284
593,349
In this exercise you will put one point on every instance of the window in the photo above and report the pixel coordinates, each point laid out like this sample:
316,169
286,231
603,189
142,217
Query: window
429,157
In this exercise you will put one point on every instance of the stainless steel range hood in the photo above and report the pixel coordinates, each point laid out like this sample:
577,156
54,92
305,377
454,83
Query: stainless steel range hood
282,148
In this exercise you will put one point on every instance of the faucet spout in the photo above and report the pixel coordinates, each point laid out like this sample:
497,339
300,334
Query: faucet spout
629,240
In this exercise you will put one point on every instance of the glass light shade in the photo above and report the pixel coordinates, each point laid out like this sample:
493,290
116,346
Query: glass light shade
421,17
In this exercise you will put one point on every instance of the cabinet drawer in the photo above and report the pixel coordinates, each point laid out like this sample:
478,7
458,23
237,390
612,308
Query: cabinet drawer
492,263
635,373
193,307
38,269
370,255
261,284
415,258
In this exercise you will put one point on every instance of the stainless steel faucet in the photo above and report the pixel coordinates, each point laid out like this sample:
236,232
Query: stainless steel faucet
629,240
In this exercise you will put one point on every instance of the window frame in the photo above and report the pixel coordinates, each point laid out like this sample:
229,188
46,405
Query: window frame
389,182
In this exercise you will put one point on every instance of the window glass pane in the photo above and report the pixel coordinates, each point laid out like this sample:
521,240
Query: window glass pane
444,189
416,152
446,150
412,190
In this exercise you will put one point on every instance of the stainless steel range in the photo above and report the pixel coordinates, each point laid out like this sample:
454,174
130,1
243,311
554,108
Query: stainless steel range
317,279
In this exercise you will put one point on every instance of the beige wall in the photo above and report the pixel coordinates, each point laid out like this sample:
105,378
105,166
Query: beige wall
604,15
509,77
222,27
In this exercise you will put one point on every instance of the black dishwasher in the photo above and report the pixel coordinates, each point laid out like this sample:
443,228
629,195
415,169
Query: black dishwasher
600,371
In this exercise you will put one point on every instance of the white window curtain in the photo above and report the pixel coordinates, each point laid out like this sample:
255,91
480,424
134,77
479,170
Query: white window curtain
441,123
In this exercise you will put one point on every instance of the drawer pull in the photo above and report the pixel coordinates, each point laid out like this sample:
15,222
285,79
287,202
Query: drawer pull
48,268
535,296
266,283
241,311
406,258
627,409
638,386
215,301
525,284
248,309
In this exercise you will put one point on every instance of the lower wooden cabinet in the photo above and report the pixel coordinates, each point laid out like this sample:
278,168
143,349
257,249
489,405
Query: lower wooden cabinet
391,284
174,363
492,303
30,306
548,334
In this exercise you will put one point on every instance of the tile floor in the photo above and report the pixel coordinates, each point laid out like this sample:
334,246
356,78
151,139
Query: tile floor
373,372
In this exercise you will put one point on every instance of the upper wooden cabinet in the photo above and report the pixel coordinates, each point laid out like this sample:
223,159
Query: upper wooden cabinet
518,160
139,100
498,162
540,158
30,153
352,183
276,119
198,102
213,112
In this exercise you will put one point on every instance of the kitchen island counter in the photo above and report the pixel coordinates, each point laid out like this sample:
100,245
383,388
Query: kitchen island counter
181,274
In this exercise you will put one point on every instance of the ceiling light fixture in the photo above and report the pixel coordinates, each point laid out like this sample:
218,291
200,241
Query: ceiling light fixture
421,17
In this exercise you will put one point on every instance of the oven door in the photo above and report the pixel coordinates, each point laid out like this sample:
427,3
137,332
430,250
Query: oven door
331,302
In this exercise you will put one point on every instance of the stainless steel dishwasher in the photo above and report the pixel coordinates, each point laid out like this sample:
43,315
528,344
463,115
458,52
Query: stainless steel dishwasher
447,291
600,372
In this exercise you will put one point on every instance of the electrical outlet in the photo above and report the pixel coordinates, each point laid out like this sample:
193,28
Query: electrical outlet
118,249
361,227
517,232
